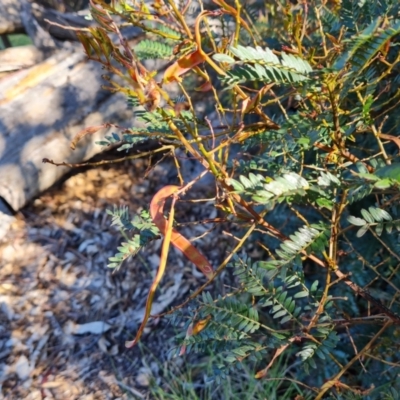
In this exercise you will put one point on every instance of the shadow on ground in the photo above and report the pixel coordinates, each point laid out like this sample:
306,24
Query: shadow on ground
64,315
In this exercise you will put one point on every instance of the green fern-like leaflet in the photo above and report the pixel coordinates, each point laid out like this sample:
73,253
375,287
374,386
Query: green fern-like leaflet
257,64
142,224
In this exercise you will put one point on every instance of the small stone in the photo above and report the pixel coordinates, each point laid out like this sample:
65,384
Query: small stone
22,368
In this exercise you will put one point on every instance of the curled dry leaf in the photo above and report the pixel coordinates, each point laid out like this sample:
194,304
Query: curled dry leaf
87,131
177,240
183,65
157,278
173,237
194,329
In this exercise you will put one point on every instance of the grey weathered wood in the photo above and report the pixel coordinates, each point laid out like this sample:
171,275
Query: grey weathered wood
40,37
41,110
49,20
10,19
43,107
15,58
17,16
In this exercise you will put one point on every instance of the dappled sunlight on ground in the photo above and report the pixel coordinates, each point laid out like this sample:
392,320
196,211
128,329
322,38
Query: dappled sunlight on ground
64,316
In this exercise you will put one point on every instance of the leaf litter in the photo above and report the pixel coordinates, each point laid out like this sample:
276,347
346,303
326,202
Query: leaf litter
64,316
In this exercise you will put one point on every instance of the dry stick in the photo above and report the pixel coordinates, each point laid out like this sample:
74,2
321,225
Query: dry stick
185,188
303,30
178,168
332,381
194,132
392,253
67,27
181,19
369,265
311,389
336,214
354,346
152,166
193,239
374,319
105,162
261,374
395,319
392,364
321,31
376,133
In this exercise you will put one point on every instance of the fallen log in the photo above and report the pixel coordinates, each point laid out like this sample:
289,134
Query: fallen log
41,110
43,107
18,16
10,18
16,58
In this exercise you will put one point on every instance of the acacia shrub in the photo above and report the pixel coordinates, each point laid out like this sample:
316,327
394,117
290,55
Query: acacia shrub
310,95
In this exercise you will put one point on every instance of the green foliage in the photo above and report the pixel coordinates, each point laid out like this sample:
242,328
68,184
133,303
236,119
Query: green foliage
257,64
305,155
126,142
149,49
275,190
365,45
392,395
374,217
17,39
390,172
142,224
154,126
190,380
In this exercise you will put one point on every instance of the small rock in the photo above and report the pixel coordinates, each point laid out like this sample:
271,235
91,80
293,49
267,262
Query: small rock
95,328
22,368
154,260
144,376
5,307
